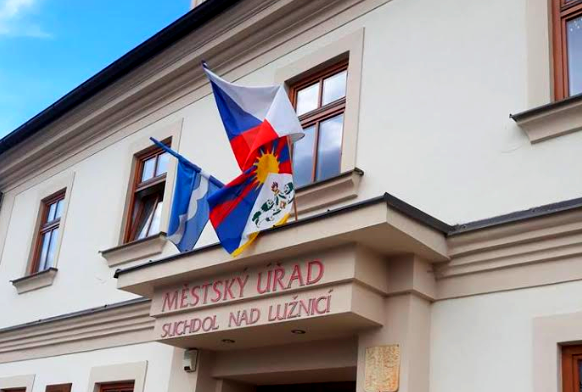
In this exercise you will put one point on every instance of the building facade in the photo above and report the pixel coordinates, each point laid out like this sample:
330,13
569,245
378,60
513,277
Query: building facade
439,208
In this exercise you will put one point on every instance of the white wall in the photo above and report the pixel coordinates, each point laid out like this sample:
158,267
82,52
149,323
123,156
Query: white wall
484,343
76,368
439,81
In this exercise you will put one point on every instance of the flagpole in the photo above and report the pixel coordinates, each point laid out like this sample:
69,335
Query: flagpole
289,145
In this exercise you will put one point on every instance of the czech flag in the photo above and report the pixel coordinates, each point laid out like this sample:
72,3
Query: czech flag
253,116
260,198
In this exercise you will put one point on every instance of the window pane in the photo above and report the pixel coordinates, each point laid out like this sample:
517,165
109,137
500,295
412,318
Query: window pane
329,147
46,239
51,213
59,209
52,248
307,99
574,31
162,164
145,217
155,226
148,169
334,87
303,158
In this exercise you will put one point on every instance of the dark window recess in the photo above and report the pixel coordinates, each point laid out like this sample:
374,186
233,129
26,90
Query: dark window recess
59,388
117,387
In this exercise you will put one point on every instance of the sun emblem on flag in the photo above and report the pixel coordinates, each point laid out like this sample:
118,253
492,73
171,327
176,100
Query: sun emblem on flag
265,164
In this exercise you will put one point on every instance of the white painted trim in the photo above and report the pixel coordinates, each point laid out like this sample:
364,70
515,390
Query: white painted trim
173,130
351,47
17,382
549,334
53,185
539,52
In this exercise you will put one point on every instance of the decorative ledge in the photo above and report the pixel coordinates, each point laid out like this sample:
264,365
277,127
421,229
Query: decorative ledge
551,120
35,281
333,190
136,250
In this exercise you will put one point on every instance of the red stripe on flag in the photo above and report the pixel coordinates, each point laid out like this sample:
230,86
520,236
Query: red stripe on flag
265,135
218,213
241,145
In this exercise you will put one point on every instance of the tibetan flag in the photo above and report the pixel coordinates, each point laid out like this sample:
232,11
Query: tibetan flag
253,116
190,210
260,198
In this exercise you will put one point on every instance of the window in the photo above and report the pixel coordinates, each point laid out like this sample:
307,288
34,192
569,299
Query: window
567,27
59,388
148,194
320,102
571,368
117,387
13,390
48,235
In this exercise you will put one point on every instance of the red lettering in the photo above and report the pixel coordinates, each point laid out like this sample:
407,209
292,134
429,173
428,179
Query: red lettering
195,297
170,303
216,291
242,284
184,297
296,275
267,285
277,280
228,290
205,287
165,330
310,269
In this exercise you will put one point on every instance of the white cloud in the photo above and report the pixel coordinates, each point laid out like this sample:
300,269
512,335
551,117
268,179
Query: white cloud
14,21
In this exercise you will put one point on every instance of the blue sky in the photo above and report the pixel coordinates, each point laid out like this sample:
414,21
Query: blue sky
48,47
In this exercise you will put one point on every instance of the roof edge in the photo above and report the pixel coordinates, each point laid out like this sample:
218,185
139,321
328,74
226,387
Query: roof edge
136,57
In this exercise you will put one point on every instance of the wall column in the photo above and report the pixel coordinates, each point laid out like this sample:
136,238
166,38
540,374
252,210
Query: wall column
407,323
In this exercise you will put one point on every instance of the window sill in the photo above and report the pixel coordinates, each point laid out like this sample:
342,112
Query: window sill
551,120
134,250
333,190
35,281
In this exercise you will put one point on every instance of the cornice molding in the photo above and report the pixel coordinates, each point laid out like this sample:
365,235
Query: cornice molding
523,254
118,325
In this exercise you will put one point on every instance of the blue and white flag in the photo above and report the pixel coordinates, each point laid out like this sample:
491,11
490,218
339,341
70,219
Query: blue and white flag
190,205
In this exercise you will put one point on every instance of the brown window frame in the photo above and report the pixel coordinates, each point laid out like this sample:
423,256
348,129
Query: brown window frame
110,387
19,389
138,186
322,113
45,227
571,355
59,388
562,12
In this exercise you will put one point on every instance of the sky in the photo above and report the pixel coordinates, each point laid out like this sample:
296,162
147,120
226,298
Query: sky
48,47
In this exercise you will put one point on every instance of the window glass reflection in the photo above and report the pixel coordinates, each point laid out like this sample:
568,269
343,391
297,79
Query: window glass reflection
334,87
307,99
46,239
329,147
303,158
52,249
162,164
148,169
574,32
